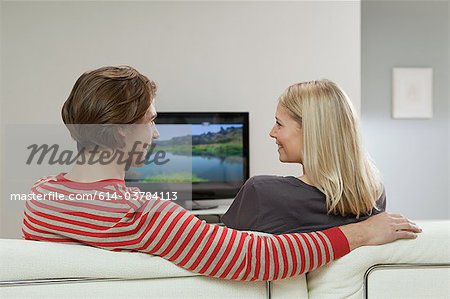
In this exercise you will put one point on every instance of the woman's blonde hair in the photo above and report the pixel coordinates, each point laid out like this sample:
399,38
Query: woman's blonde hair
333,157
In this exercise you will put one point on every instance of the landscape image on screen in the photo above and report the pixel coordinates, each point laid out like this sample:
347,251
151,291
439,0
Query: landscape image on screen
197,153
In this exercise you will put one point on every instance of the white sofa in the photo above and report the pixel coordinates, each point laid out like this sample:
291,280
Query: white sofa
404,269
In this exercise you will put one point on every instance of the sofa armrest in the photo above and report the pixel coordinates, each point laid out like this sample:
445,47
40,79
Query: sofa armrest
344,278
407,281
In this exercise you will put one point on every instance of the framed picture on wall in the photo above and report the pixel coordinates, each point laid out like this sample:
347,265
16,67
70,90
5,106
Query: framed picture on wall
412,93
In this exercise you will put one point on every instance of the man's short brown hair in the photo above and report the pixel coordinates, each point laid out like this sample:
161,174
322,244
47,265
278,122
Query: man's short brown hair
105,96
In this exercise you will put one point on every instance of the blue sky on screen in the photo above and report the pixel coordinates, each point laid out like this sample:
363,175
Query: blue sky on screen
213,128
167,131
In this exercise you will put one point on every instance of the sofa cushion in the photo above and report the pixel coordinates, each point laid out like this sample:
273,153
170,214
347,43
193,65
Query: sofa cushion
344,277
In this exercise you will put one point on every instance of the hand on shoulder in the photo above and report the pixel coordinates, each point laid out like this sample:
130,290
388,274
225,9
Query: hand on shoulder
380,229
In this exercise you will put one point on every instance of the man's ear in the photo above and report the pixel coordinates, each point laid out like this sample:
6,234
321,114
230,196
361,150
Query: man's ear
121,131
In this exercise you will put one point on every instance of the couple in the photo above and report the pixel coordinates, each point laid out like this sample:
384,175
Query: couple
314,218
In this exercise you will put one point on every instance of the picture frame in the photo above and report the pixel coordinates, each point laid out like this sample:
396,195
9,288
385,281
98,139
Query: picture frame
412,93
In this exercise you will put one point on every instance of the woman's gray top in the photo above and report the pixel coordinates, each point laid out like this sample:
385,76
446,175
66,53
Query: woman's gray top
278,205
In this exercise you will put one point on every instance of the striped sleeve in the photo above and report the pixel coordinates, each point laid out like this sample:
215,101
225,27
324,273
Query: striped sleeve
225,253
165,229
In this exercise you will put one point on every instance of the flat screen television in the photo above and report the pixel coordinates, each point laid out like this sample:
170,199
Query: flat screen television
213,147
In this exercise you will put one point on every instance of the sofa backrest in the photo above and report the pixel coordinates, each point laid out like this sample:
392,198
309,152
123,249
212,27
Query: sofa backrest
27,260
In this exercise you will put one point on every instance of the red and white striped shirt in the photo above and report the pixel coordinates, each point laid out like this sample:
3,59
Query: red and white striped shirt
163,228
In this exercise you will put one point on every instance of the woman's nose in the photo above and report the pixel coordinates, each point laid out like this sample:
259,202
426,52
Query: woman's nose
272,133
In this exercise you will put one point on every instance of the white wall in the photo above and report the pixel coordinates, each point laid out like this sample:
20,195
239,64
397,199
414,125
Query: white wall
413,154
204,56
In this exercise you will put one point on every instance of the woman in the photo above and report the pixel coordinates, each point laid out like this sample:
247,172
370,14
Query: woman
316,127
125,221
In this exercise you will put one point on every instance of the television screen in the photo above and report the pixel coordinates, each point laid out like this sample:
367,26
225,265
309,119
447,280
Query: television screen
209,151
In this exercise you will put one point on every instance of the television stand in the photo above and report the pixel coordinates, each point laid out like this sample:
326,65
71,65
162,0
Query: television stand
196,206
222,206
213,215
